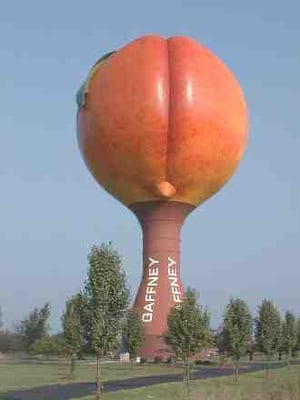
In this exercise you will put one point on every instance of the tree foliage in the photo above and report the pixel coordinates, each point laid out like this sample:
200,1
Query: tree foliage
268,329
220,344
133,333
36,325
280,344
237,330
48,346
107,296
298,335
11,342
73,329
289,334
188,330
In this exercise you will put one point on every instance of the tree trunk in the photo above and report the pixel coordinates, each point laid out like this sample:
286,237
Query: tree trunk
73,365
222,359
279,355
288,358
236,370
98,375
187,377
268,366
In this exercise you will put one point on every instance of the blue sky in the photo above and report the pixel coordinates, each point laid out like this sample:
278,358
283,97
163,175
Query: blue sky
242,242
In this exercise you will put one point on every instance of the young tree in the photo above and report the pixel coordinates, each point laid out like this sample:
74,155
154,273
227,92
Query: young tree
289,335
268,330
73,329
133,333
188,331
35,326
298,335
237,330
280,342
107,298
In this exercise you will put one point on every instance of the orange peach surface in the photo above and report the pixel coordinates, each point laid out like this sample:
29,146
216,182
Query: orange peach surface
162,119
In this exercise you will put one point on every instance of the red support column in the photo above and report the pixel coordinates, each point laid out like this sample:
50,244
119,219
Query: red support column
161,286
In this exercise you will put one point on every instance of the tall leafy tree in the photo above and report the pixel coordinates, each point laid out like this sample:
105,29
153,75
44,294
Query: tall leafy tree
280,342
298,335
237,330
107,298
188,331
289,334
73,329
268,330
35,326
133,333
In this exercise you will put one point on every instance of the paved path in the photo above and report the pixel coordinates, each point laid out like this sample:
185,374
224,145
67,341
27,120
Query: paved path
77,390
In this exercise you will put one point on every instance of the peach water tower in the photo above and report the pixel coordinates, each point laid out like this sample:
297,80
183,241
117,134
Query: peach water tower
162,125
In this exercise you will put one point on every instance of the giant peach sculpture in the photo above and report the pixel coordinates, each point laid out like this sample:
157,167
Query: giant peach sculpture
162,125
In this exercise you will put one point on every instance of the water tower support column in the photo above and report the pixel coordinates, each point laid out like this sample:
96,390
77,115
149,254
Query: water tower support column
161,286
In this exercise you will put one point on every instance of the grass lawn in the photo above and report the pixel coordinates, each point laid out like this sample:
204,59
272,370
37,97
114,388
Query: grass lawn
283,384
15,376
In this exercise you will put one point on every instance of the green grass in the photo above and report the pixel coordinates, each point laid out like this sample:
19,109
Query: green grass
282,385
27,375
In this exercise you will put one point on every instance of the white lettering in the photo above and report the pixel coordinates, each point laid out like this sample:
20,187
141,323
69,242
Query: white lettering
175,290
173,279
152,261
153,272
150,289
149,307
176,298
172,272
171,262
152,280
149,297
147,317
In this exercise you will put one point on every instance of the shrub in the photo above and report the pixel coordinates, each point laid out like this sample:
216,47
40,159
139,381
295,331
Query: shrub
48,346
10,341
171,360
203,362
